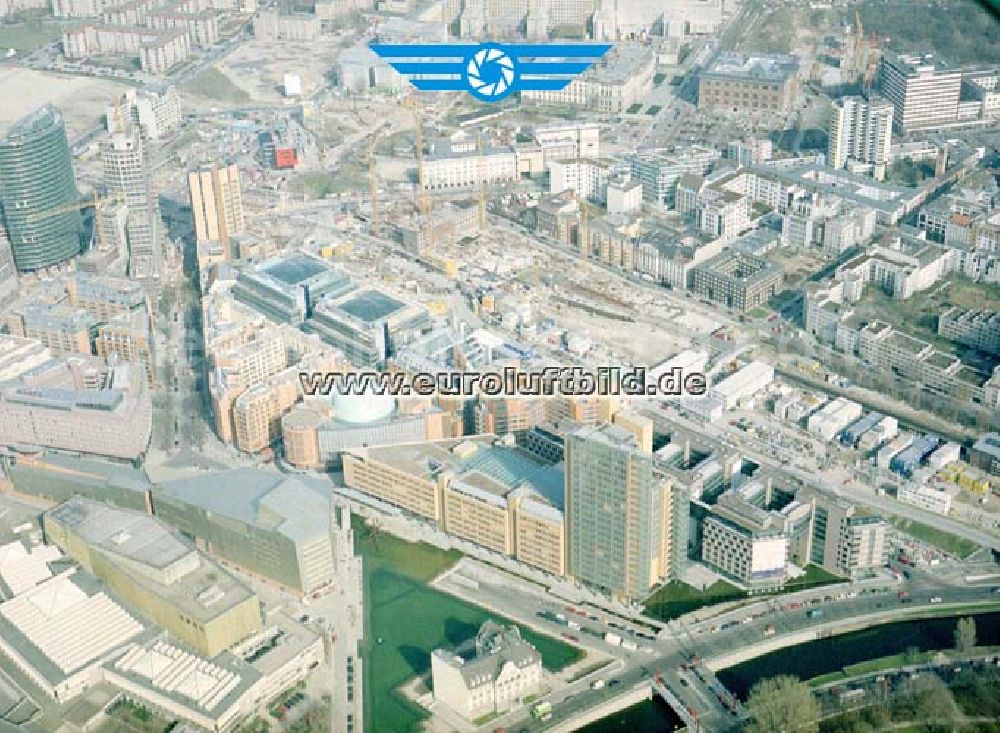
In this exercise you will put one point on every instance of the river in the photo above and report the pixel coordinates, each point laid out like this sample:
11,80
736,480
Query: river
833,653
807,660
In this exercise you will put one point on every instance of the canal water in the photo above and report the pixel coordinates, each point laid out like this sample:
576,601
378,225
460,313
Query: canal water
833,653
651,716
809,660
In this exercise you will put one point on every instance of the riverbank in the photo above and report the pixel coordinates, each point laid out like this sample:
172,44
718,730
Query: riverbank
833,654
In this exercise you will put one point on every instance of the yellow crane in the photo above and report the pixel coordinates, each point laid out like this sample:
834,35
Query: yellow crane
422,197
373,184
481,181
97,203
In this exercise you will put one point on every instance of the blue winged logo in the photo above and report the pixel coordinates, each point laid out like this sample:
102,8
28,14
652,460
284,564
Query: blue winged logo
491,71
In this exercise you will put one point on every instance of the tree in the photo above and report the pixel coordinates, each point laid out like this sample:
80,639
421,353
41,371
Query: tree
926,699
965,635
782,705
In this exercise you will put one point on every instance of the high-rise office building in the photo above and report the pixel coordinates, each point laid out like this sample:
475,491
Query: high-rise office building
37,191
923,91
217,205
127,174
618,513
860,130
8,271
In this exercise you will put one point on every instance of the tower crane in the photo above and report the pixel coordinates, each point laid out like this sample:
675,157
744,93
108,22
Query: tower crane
481,176
97,203
373,184
423,199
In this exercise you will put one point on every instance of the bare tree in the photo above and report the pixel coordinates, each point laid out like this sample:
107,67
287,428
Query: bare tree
782,705
965,635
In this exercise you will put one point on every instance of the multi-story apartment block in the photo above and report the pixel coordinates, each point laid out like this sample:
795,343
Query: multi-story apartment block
79,405
737,280
156,109
828,223
105,297
128,337
979,329
736,82
923,91
717,209
586,177
660,171
158,50
63,329
860,131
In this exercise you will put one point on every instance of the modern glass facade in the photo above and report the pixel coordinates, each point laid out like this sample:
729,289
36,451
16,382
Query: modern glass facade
36,179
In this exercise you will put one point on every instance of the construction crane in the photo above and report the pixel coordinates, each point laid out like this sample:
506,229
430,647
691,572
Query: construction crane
97,204
423,199
481,176
373,184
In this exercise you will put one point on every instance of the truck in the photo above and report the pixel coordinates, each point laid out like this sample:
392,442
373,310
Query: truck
612,639
769,630
597,685
814,613
542,711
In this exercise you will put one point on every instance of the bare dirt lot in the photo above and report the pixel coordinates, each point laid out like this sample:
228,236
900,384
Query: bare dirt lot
81,99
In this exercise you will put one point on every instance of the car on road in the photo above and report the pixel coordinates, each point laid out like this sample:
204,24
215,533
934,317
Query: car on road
936,599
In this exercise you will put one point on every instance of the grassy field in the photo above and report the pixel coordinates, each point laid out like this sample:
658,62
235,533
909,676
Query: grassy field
814,577
943,540
676,598
893,661
28,35
406,620
213,84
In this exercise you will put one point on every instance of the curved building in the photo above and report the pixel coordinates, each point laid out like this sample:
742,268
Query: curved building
36,178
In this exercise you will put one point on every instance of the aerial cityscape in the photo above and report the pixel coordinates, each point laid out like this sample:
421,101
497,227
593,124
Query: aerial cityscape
499,366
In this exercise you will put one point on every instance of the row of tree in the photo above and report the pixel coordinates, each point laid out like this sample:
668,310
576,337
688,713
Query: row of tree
785,704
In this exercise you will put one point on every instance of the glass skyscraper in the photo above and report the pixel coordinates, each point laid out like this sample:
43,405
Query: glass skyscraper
36,182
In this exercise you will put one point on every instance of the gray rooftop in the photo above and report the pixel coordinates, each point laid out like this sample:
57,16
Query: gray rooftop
296,507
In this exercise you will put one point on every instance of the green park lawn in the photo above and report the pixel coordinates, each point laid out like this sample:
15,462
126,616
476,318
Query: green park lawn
676,598
814,577
407,619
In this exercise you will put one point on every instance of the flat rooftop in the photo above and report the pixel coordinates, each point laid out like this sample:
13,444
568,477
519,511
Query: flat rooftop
294,269
775,67
370,306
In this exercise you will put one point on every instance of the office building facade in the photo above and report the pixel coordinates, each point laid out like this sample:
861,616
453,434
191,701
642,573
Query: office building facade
217,205
616,512
38,193
923,92
127,177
